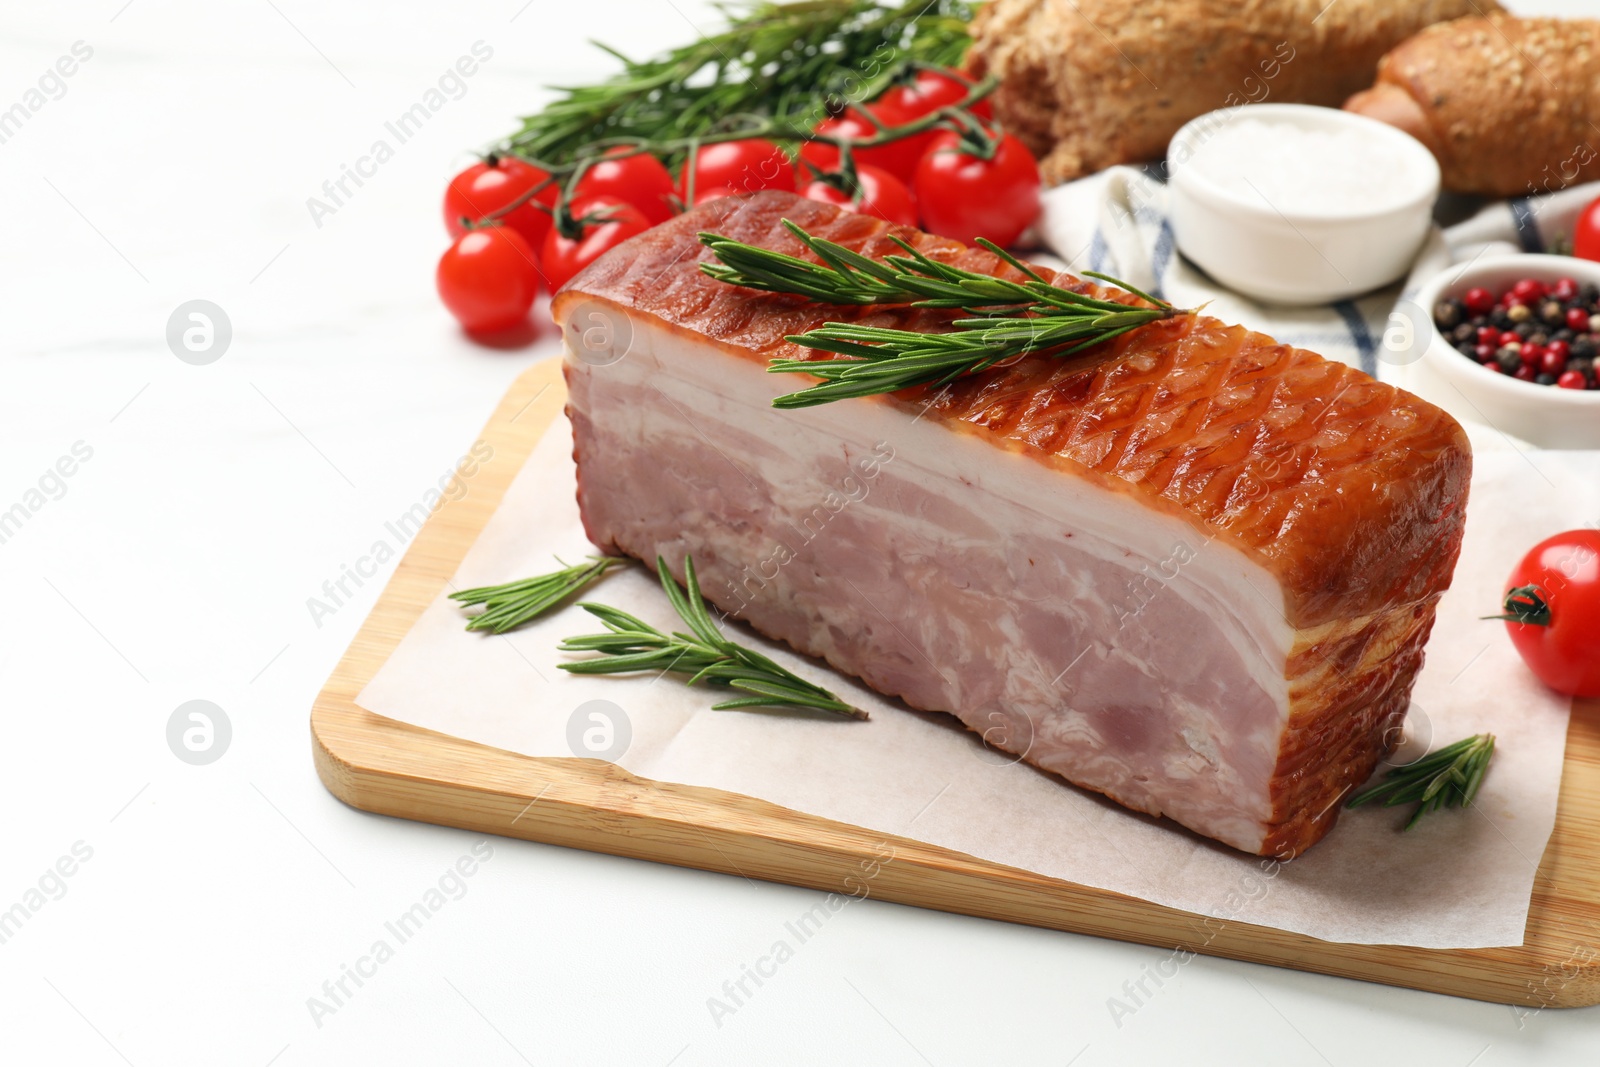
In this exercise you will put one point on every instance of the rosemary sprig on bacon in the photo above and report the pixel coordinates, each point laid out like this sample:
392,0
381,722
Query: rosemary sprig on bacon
1009,319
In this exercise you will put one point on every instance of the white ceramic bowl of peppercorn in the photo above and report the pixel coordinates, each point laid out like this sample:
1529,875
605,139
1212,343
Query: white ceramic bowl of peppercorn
1518,337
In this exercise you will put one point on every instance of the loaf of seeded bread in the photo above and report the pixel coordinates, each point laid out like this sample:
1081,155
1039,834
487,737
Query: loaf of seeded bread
1509,106
1090,83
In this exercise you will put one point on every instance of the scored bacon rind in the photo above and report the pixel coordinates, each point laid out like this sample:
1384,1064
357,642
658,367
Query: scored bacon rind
1347,492
1350,491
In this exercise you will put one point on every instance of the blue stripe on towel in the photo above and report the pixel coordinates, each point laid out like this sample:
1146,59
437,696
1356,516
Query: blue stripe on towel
1527,227
1360,335
1098,252
1161,257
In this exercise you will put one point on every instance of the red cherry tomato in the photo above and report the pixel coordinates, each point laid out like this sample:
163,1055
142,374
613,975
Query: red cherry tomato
488,279
491,185
1586,234
927,92
639,179
965,197
899,158
824,156
882,196
1555,593
565,256
744,166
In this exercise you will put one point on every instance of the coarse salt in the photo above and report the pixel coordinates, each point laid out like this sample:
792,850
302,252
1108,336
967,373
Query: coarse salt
1297,169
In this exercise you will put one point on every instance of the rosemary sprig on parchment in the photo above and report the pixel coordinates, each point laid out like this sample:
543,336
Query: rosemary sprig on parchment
1011,319
514,603
631,644
1448,778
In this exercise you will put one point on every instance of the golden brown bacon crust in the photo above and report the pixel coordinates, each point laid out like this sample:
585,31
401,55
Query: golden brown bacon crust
1351,492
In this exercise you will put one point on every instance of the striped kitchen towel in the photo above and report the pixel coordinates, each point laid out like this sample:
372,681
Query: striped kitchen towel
1116,222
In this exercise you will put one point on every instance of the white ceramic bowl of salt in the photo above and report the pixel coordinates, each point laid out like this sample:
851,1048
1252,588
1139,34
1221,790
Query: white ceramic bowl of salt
1294,204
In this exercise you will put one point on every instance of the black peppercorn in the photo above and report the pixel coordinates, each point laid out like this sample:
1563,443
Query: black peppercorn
1545,379
1523,330
1508,358
1447,314
1562,334
1500,318
1552,312
1582,366
1464,332
1583,345
1588,293
1538,337
1468,349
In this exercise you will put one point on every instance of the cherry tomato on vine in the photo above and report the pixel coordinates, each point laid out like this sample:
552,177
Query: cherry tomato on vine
639,179
491,185
882,196
899,158
964,196
1552,611
599,224
488,279
744,166
1586,234
926,92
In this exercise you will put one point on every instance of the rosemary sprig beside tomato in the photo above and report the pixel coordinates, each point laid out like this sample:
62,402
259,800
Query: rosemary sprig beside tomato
789,62
849,102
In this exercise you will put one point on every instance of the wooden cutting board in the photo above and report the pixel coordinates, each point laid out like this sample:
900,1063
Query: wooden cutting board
380,765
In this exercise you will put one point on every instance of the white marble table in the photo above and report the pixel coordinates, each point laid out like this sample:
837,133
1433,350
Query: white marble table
207,905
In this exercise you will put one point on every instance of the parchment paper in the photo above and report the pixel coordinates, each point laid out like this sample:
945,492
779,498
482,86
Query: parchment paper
1461,879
